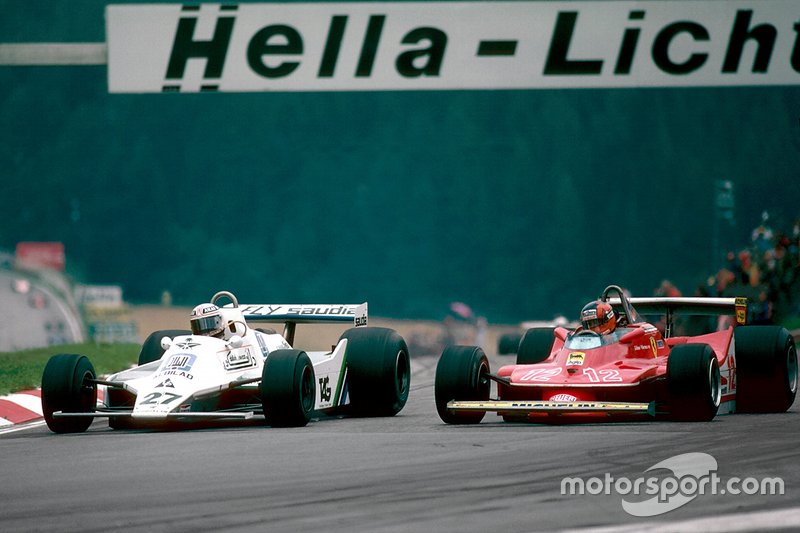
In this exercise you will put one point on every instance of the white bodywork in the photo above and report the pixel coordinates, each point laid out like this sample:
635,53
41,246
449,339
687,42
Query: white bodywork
195,370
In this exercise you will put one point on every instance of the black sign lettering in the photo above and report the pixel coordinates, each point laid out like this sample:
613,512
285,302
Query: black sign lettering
260,46
764,35
434,53
557,62
185,47
663,40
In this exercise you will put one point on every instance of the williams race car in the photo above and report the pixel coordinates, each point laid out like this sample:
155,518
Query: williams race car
225,369
616,366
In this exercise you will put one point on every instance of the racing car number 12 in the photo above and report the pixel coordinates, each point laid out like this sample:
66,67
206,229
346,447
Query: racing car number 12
595,376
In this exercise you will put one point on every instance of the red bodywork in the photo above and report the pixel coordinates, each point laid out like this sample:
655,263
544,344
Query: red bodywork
629,366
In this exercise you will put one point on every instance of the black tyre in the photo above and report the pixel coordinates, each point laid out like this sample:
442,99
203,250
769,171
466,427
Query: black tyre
378,371
694,383
766,369
288,388
152,350
68,385
535,346
461,374
508,343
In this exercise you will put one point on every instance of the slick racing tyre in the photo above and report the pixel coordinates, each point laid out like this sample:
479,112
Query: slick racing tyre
152,350
378,371
461,374
535,346
766,369
288,388
508,343
693,381
68,385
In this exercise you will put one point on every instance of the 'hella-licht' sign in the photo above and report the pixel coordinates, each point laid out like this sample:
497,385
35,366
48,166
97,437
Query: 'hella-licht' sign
452,45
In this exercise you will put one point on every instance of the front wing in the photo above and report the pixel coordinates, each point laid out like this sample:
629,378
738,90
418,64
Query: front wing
525,407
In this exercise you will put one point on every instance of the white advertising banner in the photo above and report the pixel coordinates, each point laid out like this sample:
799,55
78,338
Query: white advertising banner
451,45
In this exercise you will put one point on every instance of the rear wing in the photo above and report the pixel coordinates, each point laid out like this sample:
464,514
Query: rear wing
685,306
293,314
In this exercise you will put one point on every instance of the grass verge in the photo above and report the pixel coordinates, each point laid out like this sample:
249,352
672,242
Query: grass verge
23,370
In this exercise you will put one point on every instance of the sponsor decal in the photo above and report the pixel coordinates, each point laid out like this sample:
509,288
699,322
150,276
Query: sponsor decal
576,358
563,398
202,311
166,383
272,310
239,359
325,389
262,344
741,310
451,45
653,346
178,365
187,344
182,362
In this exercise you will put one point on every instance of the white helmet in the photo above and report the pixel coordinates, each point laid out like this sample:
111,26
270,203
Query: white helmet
206,319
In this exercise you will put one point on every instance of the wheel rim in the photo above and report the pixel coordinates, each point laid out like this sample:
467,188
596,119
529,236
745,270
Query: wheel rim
87,396
484,383
306,390
402,372
714,382
791,369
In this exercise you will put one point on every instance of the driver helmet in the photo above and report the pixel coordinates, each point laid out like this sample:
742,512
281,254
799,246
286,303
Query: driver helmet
599,317
206,319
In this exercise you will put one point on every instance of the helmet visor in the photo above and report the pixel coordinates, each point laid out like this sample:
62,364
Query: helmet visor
206,325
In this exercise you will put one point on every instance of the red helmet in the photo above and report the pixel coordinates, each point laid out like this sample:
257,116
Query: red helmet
599,317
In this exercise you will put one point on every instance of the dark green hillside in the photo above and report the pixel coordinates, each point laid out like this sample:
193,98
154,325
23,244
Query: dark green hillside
521,203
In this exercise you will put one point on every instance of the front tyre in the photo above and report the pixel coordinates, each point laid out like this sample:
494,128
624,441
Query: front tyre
378,371
766,369
288,388
462,375
694,383
68,385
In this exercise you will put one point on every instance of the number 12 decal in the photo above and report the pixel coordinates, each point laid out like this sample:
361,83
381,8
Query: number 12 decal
602,375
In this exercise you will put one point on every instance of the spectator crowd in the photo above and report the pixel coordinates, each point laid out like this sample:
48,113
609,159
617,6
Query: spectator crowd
766,271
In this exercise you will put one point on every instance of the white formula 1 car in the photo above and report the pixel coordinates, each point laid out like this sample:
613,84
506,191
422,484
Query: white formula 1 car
184,377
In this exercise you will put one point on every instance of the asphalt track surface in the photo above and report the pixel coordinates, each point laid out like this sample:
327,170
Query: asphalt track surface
407,473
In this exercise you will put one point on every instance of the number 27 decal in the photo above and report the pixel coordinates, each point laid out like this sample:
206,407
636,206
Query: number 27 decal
155,398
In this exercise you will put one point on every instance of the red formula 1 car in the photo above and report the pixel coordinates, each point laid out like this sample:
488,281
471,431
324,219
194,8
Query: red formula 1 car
635,371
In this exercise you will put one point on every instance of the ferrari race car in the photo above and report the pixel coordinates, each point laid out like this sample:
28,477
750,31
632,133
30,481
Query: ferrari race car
634,372
184,377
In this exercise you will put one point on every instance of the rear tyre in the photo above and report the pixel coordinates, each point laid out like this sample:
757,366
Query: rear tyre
378,371
535,346
508,343
461,374
68,385
288,388
152,350
766,369
694,383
